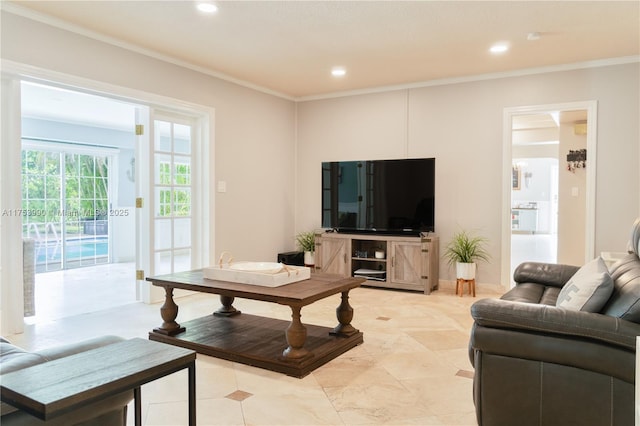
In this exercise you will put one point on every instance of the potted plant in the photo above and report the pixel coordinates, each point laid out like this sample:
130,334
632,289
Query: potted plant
307,243
464,250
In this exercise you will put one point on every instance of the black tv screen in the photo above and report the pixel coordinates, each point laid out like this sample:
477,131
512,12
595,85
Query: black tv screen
384,196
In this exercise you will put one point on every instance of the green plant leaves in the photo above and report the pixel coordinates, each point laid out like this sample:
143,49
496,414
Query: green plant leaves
466,248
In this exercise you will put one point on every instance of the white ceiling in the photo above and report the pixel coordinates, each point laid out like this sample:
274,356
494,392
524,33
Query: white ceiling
67,106
289,47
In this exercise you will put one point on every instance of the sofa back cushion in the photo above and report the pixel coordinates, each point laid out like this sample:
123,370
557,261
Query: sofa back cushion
625,301
547,274
13,358
588,289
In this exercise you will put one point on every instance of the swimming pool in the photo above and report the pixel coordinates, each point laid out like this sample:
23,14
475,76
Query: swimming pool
76,248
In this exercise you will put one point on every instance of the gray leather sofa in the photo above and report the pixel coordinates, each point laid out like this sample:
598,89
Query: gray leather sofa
539,364
107,412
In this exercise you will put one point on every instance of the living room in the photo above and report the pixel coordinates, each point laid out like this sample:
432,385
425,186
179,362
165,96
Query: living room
267,147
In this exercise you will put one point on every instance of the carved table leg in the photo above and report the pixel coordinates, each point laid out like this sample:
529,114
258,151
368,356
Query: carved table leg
344,312
227,309
296,336
169,313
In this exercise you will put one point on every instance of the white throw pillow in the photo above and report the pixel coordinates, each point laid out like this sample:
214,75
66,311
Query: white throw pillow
588,289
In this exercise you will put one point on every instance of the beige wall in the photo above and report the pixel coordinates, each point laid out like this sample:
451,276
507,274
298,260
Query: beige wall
254,132
572,200
461,126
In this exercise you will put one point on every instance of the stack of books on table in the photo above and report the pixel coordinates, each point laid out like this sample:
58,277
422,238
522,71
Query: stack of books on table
370,274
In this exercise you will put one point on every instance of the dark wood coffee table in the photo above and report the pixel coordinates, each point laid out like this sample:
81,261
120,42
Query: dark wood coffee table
287,347
56,387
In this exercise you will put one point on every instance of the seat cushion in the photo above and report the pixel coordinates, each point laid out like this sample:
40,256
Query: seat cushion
588,289
533,293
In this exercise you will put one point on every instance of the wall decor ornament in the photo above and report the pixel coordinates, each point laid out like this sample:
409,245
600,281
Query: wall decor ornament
576,160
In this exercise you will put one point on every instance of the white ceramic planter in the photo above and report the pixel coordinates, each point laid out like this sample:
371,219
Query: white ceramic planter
466,271
309,258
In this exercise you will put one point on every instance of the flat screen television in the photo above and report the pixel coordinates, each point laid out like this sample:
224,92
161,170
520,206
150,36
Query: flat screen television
379,196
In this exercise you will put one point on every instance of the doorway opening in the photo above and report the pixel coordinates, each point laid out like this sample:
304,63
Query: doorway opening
549,205
78,195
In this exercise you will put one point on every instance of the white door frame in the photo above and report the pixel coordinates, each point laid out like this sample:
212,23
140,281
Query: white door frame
11,277
11,297
592,119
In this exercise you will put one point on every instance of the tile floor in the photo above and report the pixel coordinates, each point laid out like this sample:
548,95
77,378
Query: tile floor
78,291
413,368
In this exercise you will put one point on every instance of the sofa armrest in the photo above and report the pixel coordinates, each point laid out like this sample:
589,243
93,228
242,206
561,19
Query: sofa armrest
549,274
13,358
75,348
552,320
547,334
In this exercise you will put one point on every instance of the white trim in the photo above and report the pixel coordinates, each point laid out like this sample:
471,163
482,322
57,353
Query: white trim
507,145
58,23
71,82
56,146
143,289
508,113
11,274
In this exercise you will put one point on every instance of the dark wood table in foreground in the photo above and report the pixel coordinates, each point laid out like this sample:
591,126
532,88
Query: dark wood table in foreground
287,347
56,387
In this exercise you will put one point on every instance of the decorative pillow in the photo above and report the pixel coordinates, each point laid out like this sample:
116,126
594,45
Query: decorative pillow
588,289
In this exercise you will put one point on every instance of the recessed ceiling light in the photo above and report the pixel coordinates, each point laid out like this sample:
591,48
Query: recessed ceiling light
207,7
499,48
533,36
338,72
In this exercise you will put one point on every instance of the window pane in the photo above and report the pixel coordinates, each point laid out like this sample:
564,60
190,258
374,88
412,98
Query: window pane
162,169
53,164
52,208
52,189
71,165
182,202
162,202
162,234
87,189
102,188
35,186
32,162
182,171
182,139
87,165
182,232
162,136
181,260
162,262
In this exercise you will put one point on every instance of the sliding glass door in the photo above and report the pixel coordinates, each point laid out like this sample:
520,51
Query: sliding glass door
65,205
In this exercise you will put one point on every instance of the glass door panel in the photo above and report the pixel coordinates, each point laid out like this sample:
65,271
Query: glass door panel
172,197
65,197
